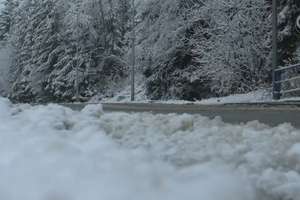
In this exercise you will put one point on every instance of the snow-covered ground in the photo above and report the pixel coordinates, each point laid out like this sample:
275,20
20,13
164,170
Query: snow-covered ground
54,153
258,96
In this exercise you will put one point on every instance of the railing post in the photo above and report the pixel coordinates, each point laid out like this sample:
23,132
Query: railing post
276,85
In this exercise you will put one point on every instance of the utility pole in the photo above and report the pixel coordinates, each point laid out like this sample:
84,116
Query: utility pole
77,57
276,75
133,53
77,75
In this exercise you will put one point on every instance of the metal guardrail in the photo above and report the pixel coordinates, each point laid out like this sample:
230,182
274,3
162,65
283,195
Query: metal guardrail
277,81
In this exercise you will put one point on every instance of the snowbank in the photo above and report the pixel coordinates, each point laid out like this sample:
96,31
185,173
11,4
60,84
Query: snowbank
54,153
258,96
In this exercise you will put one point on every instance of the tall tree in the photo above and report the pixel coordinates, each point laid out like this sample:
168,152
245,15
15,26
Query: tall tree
7,18
36,39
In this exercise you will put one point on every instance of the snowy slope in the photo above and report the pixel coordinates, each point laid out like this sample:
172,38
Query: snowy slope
54,153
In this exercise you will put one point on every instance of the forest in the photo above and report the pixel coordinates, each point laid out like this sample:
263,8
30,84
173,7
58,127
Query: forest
185,49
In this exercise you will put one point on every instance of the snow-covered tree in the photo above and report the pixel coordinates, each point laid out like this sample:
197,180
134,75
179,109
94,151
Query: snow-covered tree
7,17
197,49
237,47
187,49
57,43
35,38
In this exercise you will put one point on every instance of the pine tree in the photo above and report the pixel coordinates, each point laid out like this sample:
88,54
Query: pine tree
7,18
68,75
36,37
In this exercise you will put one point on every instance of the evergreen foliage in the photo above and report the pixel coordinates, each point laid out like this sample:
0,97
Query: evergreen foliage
186,49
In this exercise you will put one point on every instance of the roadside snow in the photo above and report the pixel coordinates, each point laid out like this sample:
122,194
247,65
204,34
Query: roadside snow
258,96
54,153
252,97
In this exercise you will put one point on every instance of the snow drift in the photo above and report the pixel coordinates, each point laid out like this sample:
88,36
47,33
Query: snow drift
54,153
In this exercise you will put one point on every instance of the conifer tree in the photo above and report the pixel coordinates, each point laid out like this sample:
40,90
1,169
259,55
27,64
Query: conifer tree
7,18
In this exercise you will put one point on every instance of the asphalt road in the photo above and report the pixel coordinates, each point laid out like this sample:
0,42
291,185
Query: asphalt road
270,113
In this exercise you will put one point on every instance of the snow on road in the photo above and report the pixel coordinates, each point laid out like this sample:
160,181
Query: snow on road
54,153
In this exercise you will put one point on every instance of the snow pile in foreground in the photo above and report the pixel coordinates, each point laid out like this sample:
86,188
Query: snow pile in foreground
54,153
